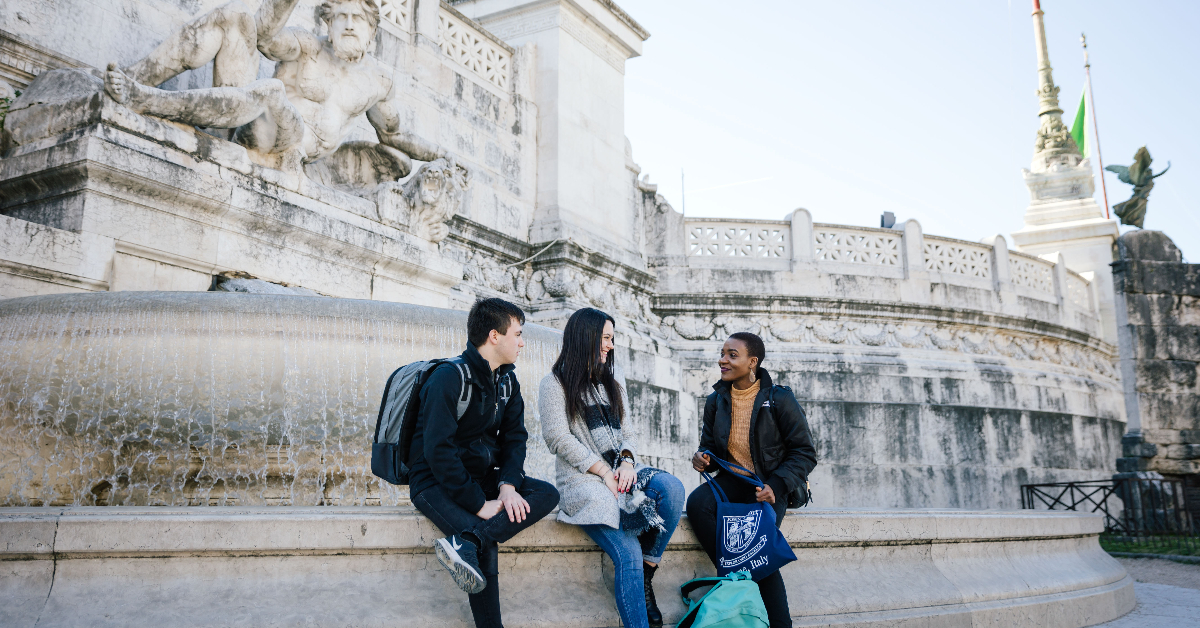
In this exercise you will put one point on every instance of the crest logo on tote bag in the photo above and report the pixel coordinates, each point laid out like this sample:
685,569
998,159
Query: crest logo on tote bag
748,537
740,530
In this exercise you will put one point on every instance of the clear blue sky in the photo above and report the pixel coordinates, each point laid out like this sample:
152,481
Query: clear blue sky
925,109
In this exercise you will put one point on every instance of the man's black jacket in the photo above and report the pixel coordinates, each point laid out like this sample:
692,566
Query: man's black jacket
780,444
486,444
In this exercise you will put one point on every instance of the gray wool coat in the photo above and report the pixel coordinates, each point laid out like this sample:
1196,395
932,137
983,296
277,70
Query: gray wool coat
584,499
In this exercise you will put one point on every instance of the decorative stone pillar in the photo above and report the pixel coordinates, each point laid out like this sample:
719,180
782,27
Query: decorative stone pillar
1062,216
916,285
802,236
1002,275
582,183
1060,285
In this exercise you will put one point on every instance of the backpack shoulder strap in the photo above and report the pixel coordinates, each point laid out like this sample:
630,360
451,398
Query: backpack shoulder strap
464,394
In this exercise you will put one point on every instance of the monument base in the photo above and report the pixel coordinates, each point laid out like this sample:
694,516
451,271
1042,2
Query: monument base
97,566
100,198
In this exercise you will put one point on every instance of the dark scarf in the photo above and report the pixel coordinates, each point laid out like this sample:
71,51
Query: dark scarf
639,513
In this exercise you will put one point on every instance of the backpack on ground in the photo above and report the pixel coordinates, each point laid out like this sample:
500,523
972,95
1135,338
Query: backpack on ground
733,602
398,415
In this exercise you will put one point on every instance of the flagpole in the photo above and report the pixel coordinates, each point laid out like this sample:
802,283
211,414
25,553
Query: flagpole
1087,66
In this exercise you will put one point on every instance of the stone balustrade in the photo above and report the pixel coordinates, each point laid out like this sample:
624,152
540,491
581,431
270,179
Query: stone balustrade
337,566
903,254
474,48
397,13
739,239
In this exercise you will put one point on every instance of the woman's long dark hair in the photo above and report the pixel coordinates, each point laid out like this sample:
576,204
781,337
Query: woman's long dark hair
578,366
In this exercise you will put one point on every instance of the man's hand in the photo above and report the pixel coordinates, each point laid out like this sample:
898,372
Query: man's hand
700,461
516,505
764,494
490,509
625,477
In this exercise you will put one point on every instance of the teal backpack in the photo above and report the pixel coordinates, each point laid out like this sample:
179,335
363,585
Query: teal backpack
733,602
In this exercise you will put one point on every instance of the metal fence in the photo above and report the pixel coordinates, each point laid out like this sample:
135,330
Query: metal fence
1141,515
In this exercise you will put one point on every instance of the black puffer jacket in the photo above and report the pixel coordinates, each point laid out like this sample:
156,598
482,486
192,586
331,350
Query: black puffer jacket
780,443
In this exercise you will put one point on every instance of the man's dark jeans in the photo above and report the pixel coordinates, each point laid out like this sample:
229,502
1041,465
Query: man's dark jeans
702,514
451,518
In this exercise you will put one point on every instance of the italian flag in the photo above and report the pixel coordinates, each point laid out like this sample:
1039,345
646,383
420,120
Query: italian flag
1079,128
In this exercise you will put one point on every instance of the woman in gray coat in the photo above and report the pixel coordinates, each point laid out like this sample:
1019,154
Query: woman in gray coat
629,509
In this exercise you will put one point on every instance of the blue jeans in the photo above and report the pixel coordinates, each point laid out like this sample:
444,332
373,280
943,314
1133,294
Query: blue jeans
627,552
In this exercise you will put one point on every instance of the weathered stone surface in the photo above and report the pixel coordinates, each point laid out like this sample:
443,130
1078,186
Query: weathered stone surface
1160,353
1167,342
1165,310
213,398
365,566
1167,376
1137,276
1150,246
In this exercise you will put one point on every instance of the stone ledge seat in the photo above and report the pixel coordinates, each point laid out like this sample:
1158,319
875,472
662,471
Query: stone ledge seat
374,566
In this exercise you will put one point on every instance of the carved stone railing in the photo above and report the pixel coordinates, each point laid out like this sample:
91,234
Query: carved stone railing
1031,276
398,13
1079,290
741,239
903,254
856,245
957,258
474,48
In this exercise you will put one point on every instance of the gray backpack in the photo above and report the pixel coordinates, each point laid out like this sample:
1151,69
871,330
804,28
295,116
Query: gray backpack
398,415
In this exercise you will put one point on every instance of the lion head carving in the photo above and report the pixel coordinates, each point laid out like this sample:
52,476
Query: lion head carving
434,194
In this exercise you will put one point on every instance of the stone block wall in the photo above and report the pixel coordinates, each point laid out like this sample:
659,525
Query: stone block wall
1158,315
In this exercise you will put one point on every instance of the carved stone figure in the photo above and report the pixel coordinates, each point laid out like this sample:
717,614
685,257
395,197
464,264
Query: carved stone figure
1141,177
321,84
434,195
425,202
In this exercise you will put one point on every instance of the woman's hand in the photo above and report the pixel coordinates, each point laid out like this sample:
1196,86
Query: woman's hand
701,462
765,494
626,476
610,480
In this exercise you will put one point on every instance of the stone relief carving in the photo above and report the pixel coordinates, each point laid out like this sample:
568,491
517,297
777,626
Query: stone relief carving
321,84
955,338
426,202
300,118
533,286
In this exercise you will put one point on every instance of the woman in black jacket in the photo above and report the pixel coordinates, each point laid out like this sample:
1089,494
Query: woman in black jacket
760,426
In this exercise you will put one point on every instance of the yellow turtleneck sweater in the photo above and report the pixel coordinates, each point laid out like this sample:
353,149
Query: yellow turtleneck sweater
739,432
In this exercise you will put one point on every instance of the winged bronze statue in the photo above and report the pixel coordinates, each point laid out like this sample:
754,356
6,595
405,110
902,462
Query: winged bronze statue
1141,177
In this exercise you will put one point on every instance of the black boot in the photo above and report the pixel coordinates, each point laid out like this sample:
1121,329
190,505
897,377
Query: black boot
653,615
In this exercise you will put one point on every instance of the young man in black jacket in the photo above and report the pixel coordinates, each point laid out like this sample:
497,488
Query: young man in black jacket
467,474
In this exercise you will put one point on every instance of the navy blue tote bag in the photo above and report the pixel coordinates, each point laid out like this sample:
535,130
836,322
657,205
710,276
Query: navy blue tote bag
747,539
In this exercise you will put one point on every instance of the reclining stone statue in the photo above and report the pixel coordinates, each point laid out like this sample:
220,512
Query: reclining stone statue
320,86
